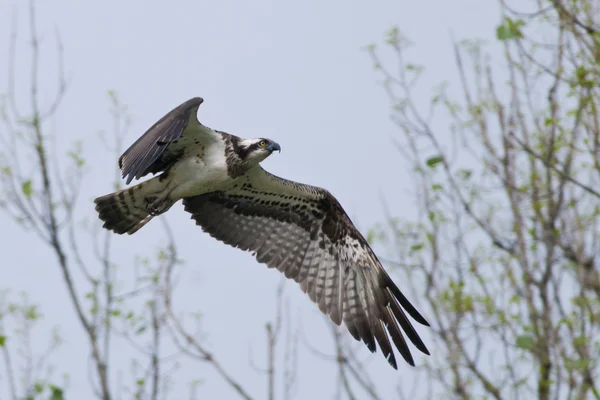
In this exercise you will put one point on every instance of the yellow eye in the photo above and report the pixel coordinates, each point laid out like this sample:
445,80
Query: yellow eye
262,143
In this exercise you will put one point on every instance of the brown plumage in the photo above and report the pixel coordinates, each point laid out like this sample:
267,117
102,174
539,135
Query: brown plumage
301,230
304,232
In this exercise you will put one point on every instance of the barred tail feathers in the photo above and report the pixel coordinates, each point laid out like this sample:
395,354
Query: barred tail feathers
125,211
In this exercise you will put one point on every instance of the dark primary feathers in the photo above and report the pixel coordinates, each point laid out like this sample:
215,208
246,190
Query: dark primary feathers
144,156
303,231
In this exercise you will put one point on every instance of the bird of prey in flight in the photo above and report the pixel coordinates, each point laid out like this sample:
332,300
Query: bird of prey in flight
301,230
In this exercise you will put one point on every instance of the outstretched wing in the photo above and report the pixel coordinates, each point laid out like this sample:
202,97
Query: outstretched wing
303,232
152,152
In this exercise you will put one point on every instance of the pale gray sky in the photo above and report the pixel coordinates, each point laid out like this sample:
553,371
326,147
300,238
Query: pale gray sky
290,71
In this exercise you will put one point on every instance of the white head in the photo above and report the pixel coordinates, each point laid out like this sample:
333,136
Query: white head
253,151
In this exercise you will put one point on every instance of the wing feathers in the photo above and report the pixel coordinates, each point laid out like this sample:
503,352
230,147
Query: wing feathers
349,318
384,342
400,316
142,156
386,281
304,233
359,313
313,277
304,266
333,291
293,264
398,339
318,287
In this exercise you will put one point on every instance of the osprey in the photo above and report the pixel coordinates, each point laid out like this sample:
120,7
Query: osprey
301,230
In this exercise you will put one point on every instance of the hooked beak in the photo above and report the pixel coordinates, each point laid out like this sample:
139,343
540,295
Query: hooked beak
274,146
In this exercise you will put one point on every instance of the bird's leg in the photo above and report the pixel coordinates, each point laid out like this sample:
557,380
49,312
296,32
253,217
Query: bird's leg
158,203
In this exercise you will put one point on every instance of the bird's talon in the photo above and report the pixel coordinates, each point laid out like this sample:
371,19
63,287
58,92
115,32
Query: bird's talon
156,205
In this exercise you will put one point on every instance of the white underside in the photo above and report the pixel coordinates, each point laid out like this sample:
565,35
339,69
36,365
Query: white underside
195,173
199,173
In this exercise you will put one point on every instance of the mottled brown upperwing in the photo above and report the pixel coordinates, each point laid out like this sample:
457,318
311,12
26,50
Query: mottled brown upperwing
304,232
139,159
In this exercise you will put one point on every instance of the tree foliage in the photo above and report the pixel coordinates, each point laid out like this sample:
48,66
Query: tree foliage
505,244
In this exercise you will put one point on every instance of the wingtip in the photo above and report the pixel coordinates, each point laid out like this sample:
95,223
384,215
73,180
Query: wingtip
421,320
407,356
370,345
392,361
193,103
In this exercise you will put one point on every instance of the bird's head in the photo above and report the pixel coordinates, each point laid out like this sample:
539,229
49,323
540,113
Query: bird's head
254,151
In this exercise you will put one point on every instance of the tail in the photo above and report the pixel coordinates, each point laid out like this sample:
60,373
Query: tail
124,211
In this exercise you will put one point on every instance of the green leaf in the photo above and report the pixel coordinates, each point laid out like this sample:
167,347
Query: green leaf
502,33
580,73
414,68
370,236
525,342
464,173
2,340
162,255
582,364
510,30
433,161
417,247
26,188
393,36
32,313
77,159
38,387
467,304
57,393
581,340
577,364
430,238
